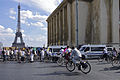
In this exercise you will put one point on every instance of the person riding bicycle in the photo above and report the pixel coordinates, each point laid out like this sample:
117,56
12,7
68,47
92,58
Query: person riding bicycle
75,55
105,54
61,52
67,52
114,53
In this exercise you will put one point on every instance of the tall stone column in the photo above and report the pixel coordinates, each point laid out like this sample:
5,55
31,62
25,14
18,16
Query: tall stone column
56,30
48,33
115,21
51,31
59,42
104,23
96,21
109,6
63,27
69,23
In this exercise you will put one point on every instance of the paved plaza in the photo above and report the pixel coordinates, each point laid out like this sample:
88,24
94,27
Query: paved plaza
51,71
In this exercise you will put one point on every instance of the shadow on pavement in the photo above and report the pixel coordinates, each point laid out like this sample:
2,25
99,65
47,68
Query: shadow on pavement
59,73
117,72
50,66
111,68
102,63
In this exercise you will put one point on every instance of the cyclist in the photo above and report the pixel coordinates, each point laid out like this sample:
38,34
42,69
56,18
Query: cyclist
61,52
67,52
105,54
75,55
114,53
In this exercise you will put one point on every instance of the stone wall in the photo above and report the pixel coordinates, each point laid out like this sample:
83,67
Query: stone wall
98,22
83,21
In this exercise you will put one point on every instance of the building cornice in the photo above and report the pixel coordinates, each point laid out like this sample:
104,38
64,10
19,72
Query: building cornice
62,4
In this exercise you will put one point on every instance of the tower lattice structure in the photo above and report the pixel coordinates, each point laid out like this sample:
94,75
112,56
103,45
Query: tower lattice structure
18,33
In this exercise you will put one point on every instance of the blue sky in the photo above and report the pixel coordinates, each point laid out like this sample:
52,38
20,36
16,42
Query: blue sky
33,20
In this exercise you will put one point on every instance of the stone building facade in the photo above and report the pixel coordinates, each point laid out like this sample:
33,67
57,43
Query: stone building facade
98,22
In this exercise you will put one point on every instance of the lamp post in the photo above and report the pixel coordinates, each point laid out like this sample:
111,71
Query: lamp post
76,23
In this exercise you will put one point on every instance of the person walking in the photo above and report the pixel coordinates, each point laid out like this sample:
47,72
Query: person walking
7,54
39,54
4,55
31,55
11,54
22,55
15,54
42,54
19,55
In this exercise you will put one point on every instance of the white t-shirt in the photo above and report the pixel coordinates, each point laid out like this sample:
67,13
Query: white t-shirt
16,51
12,52
105,51
61,51
23,53
42,52
8,52
76,53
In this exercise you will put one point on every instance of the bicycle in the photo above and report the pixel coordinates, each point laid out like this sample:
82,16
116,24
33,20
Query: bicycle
116,61
108,58
61,61
83,66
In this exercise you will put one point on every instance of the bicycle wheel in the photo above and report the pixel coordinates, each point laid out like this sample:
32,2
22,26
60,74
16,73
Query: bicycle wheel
60,61
115,62
100,59
70,66
85,67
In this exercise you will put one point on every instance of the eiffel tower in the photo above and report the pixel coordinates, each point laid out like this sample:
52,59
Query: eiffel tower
18,33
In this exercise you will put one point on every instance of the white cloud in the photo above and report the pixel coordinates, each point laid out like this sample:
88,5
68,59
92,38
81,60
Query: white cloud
12,11
44,28
47,6
22,31
12,17
6,31
36,19
9,30
26,14
38,24
36,41
1,27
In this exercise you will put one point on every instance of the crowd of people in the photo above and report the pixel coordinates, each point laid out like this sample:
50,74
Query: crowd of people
34,54
23,54
31,54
